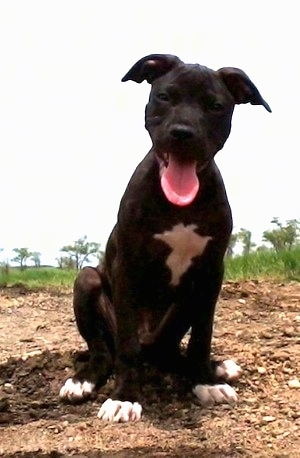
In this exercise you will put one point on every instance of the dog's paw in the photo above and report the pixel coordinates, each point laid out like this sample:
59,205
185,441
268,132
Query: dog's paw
228,370
209,395
118,411
75,391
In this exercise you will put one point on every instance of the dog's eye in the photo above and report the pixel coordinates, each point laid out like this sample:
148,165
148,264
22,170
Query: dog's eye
215,106
162,96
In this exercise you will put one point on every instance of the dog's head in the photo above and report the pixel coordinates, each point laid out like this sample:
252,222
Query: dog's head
189,116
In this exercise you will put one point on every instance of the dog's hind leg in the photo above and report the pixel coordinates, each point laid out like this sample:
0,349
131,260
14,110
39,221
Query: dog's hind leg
96,323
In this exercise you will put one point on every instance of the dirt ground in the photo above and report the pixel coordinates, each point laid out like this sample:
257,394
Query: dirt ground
257,325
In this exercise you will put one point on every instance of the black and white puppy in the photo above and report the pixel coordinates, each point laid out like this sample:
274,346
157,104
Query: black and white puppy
163,266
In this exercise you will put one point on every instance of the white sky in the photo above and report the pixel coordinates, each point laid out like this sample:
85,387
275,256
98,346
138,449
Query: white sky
71,133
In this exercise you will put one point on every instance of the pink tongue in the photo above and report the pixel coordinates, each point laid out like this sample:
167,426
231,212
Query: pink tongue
179,182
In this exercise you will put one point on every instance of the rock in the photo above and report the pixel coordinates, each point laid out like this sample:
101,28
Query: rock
8,388
266,335
289,331
261,370
268,419
294,383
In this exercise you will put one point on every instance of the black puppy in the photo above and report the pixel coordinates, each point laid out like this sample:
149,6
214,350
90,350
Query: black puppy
163,265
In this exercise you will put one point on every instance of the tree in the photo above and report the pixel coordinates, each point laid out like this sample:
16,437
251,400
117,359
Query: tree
232,242
22,255
36,258
80,251
283,236
65,262
245,236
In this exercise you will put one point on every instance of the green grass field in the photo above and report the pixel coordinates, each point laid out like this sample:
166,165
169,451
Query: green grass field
281,266
284,265
33,277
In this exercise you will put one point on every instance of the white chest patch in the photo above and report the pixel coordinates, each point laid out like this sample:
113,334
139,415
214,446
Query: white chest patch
186,244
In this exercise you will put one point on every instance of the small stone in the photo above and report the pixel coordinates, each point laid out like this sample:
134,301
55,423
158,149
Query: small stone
55,428
261,370
294,383
30,354
277,433
268,419
289,332
266,335
287,370
8,388
280,355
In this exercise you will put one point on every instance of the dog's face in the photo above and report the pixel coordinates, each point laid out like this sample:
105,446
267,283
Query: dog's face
189,116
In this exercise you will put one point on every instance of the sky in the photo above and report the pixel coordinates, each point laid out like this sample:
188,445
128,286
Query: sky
71,134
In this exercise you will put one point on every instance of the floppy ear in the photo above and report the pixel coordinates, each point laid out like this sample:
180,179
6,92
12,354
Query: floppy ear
241,87
151,67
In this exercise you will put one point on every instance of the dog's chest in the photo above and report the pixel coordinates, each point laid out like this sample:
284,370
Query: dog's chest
185,245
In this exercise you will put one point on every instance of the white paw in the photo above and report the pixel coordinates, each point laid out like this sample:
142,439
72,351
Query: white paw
118,411
215,394
75,391
229,370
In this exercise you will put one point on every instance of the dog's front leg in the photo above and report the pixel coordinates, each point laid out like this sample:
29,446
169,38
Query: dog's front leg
208,377
124,406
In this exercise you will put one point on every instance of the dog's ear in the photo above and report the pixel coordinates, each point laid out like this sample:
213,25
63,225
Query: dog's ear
241,87
151,67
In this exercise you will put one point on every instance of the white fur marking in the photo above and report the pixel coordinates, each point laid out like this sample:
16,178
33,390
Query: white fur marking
74,391
215,394
229,370
186,244
118,411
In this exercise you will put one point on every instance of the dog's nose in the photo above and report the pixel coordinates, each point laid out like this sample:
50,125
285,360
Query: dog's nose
182,132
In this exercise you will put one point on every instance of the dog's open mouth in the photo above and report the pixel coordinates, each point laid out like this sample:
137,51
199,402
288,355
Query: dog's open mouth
179,180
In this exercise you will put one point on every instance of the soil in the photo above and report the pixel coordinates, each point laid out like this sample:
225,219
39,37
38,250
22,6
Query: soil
257,324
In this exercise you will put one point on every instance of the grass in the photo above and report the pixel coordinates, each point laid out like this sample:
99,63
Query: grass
35,278
282,266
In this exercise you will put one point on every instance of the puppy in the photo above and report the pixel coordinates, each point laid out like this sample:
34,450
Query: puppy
163,266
